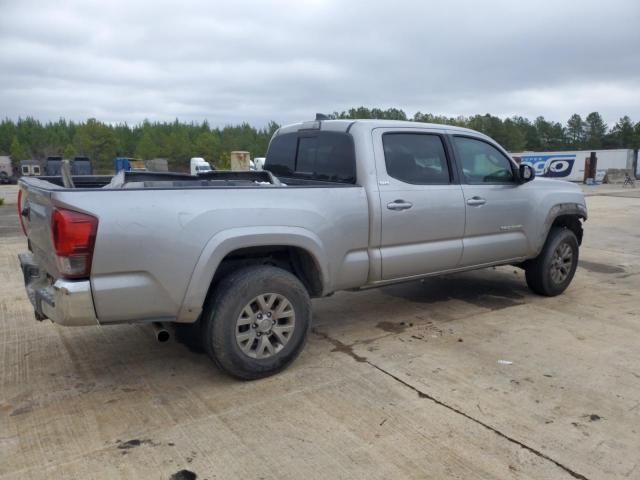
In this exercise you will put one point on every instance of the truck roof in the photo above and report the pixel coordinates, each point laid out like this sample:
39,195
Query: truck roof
345,125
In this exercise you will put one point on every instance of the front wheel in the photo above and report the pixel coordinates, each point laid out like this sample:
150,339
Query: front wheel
257,322
551,272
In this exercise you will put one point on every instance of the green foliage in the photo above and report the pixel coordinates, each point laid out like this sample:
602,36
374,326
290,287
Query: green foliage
16,150
207,145
517,133
1,201
147,147
69,151
575,131
596,130
96,140
178,142
623,133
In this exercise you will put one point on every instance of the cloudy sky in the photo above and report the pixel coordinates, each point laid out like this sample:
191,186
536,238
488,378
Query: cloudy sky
234,60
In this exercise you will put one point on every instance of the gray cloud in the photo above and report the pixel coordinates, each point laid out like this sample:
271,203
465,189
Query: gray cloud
126,60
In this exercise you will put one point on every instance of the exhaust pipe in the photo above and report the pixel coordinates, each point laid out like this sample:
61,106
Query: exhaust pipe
161,331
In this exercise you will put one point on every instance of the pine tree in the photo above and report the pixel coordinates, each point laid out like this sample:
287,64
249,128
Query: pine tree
596,129
17,152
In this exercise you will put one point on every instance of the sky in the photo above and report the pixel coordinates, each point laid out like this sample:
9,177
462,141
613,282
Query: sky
284,60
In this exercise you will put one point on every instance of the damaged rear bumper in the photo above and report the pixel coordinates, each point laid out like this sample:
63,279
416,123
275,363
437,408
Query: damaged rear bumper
65,302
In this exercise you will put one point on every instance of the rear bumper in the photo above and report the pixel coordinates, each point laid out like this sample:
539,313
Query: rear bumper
65,302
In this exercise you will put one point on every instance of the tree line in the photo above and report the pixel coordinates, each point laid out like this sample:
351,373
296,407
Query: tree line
518,134
177,141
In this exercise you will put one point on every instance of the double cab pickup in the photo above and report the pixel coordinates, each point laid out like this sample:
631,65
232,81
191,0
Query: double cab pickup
235,257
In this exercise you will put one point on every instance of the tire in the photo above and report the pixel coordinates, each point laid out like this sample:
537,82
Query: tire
244,335
545,274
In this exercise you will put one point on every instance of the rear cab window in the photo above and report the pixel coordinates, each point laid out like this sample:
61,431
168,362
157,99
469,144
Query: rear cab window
313,155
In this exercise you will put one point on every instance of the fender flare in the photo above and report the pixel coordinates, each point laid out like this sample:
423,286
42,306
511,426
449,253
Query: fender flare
558,210
227,241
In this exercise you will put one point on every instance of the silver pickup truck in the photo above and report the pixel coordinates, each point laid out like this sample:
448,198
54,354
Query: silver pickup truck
236,256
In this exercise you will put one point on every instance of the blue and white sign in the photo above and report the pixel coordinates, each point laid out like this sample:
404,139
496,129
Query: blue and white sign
550,165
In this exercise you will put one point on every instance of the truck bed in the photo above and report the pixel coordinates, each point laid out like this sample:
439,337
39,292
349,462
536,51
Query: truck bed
170,180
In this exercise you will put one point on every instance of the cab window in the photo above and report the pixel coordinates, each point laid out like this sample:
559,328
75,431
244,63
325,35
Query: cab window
416,158
313,155
482,162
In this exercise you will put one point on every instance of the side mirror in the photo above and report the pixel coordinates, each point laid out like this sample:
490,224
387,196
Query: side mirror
527,173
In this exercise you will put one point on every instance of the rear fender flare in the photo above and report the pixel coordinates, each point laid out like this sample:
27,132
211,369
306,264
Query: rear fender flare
227,241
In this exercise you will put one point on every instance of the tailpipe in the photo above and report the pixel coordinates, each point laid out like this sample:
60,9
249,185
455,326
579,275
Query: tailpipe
161,331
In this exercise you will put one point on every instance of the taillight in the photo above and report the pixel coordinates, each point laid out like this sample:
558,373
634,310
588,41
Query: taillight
74,235
24,230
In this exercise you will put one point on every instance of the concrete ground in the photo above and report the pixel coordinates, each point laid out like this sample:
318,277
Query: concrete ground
465,376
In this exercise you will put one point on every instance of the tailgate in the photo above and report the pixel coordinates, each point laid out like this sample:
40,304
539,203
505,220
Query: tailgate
65,299
36,207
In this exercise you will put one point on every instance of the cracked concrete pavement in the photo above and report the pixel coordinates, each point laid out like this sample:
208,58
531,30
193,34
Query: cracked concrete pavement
464,376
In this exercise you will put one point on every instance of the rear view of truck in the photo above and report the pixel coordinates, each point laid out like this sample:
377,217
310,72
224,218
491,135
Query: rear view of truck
57,268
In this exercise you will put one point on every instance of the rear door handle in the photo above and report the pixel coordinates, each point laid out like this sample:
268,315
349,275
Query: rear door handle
398,205
476,201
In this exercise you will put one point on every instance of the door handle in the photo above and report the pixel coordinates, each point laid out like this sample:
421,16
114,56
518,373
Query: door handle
398,205
476,201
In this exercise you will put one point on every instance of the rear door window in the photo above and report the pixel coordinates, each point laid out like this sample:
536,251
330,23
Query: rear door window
416,158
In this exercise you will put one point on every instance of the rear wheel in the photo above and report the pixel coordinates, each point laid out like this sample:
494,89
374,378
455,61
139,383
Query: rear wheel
551,272
257,322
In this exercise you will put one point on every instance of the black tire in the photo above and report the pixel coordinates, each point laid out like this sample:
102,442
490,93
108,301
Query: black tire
222,314
538,271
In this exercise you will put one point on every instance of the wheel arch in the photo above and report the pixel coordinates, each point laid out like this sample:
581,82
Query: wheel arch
565,215
292,248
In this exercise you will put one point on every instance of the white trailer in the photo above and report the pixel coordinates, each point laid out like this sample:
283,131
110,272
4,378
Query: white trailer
570,165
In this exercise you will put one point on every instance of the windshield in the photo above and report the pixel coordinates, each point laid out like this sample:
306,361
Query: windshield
203,168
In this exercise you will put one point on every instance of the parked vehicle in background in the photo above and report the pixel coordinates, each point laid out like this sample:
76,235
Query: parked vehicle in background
53,166
258,163
30,168
6,170
79,166
199,165
121,163
342,205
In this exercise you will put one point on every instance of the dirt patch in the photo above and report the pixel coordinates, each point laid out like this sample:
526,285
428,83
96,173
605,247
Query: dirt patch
593,417
129,444
183,475
21,410
393,327
596,267
494,294
338,346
